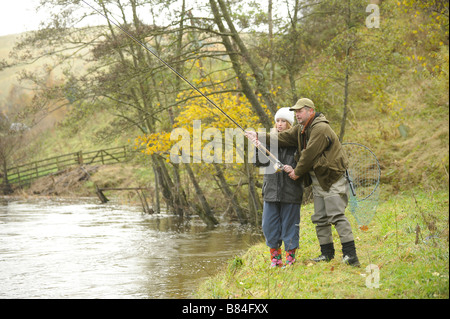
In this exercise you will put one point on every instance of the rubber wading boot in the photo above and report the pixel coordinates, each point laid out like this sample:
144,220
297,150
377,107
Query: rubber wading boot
290,257
327,253
275,257
349,253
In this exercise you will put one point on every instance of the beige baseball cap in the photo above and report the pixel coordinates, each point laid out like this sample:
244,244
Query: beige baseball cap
302,103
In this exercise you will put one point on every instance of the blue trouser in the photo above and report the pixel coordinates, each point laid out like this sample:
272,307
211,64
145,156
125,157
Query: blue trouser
281,223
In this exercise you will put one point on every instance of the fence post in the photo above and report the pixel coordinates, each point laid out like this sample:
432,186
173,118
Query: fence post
80,157
18,175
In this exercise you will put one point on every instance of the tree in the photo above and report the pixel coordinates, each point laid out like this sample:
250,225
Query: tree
6,147
12,136
350,55
198,109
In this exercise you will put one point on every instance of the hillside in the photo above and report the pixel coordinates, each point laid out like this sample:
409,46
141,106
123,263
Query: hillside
8,76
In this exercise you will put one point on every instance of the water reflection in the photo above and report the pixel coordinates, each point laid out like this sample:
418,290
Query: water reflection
81,249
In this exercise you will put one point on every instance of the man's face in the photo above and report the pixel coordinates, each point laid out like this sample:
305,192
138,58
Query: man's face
303,115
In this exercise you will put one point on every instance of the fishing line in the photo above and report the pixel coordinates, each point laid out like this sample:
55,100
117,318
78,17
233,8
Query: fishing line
264,150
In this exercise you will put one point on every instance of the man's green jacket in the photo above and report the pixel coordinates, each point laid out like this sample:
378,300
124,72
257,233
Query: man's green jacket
320,150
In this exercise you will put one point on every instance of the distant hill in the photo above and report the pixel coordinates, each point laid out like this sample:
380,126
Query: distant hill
7,77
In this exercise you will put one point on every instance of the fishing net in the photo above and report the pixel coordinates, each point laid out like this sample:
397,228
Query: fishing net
364,178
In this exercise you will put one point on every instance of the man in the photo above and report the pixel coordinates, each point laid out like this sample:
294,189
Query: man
321,163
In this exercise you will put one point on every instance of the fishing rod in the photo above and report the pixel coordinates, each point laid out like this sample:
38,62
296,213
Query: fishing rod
277,164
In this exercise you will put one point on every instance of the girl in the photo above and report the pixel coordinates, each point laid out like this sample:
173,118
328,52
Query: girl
282,199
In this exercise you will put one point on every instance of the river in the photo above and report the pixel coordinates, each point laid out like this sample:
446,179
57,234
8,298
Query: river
61,248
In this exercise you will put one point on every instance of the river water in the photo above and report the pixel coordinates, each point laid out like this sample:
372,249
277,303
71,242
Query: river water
83,249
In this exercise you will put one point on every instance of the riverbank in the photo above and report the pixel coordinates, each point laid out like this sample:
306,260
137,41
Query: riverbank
407,241
81,181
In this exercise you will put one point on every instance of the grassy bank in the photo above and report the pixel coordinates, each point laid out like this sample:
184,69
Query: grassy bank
407,241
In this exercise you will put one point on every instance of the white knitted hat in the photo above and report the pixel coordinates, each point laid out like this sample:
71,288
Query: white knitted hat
285,114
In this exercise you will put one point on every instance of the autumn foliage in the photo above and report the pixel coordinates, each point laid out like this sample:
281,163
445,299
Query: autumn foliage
193,107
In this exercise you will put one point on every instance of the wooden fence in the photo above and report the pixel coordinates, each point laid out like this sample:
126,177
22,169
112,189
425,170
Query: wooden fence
22,175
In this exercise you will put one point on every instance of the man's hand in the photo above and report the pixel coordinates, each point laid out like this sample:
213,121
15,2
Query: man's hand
288,169
293,176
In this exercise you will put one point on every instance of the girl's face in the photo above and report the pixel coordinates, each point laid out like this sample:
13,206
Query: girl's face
281,125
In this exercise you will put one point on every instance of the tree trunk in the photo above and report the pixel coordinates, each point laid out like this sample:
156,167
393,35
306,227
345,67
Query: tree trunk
206,214
257,72
294,66
7,189
344,115
158,205
346,82
272,64
174,197
234,57
229,194
254,204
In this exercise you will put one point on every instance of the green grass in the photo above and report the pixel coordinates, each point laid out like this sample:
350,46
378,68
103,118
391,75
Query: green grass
407,270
